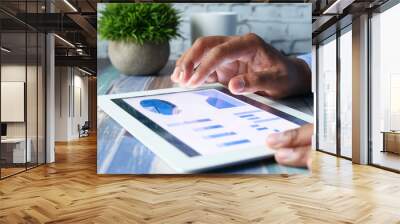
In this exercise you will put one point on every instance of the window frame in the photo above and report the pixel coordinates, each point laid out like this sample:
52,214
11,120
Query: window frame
343,28
31,30
378,10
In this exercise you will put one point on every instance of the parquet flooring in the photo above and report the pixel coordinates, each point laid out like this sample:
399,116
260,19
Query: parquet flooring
70,191
10,171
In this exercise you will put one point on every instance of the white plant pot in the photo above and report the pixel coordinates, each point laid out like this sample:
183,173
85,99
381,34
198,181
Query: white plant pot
133,59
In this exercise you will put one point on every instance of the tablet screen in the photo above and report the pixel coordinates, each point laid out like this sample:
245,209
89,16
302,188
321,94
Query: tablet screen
209,121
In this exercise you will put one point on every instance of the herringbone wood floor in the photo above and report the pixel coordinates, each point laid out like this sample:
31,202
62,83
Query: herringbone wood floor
69,191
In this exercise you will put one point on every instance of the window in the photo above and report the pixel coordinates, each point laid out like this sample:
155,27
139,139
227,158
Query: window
326,95
385,89
346,92
22,76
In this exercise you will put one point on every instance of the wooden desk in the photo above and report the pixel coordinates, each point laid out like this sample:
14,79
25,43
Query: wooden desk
391,141
118,152
13,150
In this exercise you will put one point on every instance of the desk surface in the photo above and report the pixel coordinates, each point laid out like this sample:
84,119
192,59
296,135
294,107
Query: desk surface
391,132
118,152
13,140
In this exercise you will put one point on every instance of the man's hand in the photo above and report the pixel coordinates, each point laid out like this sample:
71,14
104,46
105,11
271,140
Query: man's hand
246,64
293,146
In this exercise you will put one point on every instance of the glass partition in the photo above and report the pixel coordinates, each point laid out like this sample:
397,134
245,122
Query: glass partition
13,94
32,98
385,89
346,92
326,97
41,97
23,91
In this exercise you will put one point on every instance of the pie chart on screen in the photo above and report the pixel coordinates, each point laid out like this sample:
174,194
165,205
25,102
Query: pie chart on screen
160,106
219,100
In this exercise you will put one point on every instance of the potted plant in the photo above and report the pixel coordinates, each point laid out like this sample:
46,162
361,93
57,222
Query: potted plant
138,35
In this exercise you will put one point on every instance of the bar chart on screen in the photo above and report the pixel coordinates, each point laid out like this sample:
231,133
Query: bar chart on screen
210,121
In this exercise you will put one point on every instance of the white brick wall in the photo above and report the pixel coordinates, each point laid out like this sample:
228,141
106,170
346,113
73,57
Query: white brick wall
286,26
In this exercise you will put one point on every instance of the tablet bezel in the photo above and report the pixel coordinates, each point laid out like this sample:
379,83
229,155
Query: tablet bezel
170,153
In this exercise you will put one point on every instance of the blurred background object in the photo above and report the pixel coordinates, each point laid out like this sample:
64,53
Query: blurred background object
213,24
286,26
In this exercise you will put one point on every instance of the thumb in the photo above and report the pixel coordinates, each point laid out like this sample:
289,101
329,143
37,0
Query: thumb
291,138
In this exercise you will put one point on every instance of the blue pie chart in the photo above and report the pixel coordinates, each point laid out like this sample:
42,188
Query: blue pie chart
219,100
160,106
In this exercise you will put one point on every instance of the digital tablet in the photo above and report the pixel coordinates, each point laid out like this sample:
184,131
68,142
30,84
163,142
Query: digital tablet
194,130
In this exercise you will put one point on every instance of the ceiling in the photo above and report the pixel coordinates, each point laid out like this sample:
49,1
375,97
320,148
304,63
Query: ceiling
74,22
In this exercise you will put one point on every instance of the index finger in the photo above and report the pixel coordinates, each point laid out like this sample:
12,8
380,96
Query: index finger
237,48
193,55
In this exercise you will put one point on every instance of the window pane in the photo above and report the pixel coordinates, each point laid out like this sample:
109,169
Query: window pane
41,99
22,87
346,94
327,96
13,86
31,97
32,88
385,86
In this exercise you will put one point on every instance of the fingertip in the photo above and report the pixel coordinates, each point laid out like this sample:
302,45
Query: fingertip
182,77
193,84
187,70
237,85
194,81
272,140
174,76
178,78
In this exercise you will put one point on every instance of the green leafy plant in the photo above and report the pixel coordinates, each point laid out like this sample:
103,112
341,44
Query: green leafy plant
139,22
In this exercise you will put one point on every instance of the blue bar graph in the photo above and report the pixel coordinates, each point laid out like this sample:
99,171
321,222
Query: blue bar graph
246,115
189,122
266,120
220,135
261,129
247,112
276,130
208,127
254,125
233,143
253,118
197,121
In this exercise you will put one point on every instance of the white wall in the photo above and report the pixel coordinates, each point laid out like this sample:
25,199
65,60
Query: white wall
70,83
62,82
14,73
33,126
79,117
